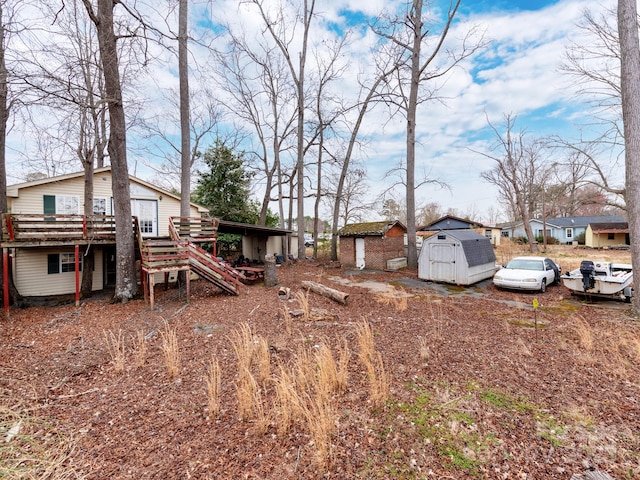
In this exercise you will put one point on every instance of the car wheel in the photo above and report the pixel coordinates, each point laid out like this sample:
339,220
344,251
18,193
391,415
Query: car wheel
543,285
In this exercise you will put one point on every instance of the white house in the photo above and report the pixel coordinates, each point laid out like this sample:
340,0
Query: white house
46,267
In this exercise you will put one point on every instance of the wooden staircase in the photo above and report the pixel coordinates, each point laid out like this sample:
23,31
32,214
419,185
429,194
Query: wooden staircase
192,231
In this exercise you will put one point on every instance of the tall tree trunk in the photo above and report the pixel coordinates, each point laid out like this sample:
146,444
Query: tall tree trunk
87,264
126,286
412,253
86,154
347,160
183,70
630,89
4,118
300,159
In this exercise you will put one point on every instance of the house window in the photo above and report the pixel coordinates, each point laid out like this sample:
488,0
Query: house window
611,236
569,232
99,206
66,205
62,263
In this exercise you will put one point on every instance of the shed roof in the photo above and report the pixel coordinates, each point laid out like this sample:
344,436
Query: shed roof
477,248
368,228
610,227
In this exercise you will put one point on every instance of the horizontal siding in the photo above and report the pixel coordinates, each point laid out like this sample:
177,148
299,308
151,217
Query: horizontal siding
31,198
32,280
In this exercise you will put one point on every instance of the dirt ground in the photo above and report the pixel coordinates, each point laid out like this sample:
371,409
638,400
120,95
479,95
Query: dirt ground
479,384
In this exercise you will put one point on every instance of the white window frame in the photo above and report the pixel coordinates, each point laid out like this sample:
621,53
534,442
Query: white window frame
68,262
569,233
99,206
67,205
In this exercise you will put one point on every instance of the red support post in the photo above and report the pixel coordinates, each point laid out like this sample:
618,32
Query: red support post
5,279
77,259
12,235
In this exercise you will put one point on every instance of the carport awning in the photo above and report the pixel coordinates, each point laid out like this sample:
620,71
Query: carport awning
226,226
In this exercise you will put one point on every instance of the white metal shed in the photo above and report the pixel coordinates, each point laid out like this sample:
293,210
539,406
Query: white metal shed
461,257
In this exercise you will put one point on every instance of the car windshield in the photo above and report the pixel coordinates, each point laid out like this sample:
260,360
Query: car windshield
523,264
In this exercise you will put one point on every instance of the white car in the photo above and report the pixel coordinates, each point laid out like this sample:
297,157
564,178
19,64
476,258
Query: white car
528,273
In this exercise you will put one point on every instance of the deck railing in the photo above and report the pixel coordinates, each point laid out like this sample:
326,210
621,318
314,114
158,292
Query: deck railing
50,227
197,229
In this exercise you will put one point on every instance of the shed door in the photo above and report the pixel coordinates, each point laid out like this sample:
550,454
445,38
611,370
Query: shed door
360,252
442,259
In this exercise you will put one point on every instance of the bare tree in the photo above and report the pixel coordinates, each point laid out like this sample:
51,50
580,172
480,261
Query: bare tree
185,131
516,173
263,95
164,153
409,33
281,32
630,93
341,194
355,188
102,17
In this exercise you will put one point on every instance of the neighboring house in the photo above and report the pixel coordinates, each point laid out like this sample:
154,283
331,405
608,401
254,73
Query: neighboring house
450,222
46,267
563,229
371,244
601,235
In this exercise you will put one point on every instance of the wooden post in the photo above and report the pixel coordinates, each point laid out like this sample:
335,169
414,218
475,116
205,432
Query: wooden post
77,262
5,279
187,274
151,285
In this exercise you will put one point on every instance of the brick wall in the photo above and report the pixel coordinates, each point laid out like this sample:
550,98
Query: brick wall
377,250
347,251
380,249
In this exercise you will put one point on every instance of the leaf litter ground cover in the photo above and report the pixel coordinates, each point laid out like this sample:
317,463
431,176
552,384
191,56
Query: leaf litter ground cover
402,383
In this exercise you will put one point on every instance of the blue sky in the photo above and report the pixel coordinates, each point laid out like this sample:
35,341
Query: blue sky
518,73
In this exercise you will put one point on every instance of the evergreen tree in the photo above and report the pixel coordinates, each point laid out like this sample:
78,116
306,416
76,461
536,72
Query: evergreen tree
224,188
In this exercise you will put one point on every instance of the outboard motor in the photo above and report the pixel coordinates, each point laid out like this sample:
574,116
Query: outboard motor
586,269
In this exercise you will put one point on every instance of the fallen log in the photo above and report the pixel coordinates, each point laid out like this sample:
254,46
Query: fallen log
333,294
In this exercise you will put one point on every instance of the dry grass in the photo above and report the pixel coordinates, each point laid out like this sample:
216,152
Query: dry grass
397,297
117,349
327,372
31,449
302,297
214,386
437,318
320,419
304,372
246,393
423,349
139,349
288,403
523,348
584,332
262,420
243,345
288,320
372,361
263,355
170,350
343,366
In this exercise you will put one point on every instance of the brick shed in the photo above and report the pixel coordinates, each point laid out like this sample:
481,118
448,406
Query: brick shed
371,244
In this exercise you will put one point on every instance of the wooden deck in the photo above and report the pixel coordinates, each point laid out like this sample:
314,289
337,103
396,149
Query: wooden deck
33,230
162,256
